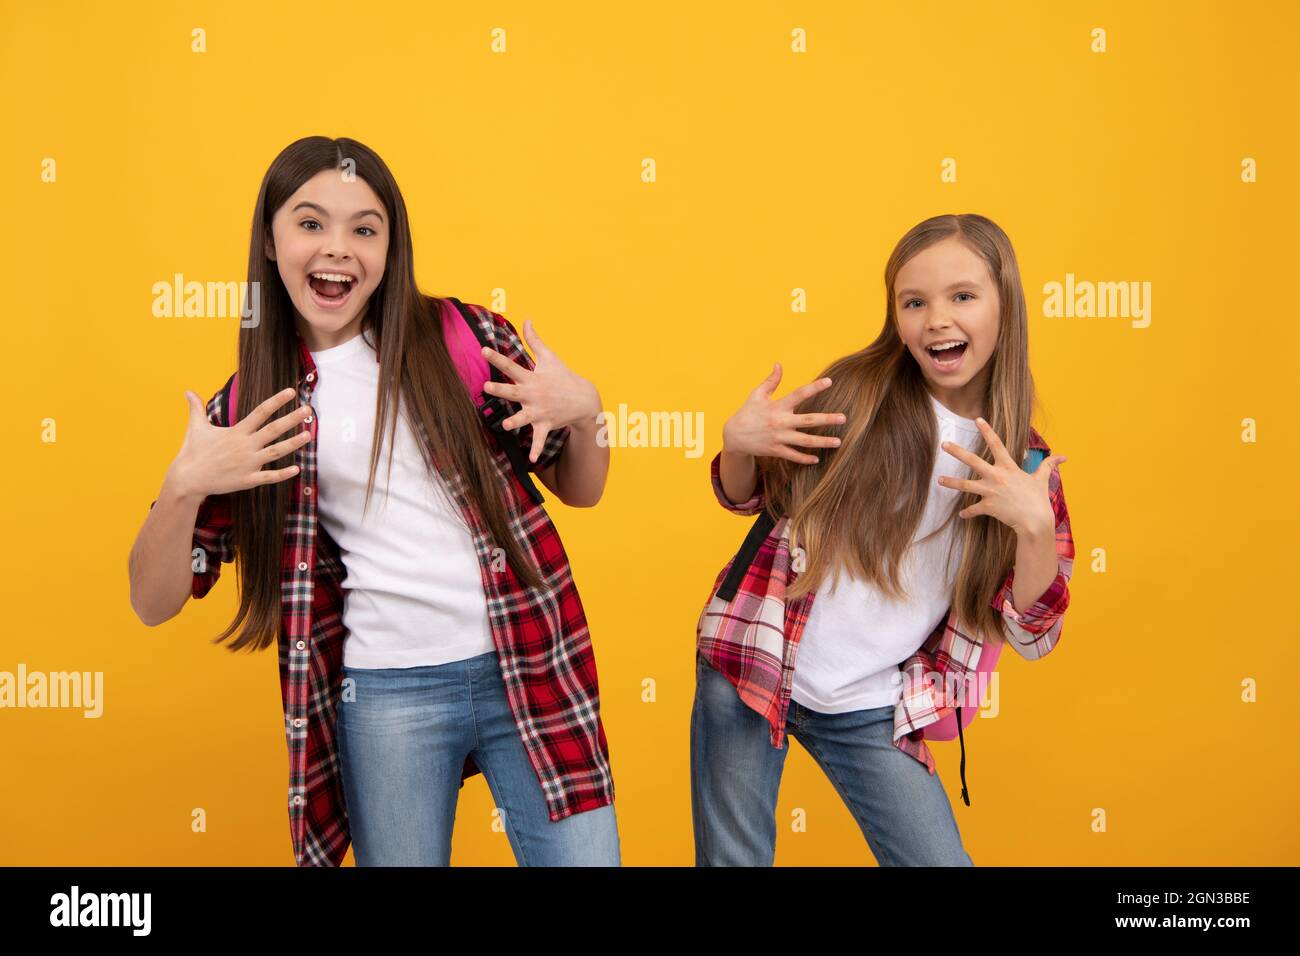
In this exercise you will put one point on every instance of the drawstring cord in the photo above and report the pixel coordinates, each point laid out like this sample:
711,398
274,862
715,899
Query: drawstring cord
964,797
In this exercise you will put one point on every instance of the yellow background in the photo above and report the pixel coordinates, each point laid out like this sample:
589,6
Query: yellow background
776,171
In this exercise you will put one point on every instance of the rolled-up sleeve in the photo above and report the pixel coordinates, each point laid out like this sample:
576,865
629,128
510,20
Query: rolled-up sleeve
751,507
1034,631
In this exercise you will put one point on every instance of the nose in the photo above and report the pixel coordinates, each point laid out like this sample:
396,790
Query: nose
939,322
337,243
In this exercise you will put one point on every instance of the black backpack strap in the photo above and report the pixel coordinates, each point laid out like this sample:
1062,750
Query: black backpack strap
228,397
758,533
495,410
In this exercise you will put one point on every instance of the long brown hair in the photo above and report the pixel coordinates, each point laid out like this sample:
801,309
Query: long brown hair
406,329
859,507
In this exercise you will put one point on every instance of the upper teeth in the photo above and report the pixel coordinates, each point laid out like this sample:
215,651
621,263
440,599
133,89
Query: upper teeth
332,276
946,345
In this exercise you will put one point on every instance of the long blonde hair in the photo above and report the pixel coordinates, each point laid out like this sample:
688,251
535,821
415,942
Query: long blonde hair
860,506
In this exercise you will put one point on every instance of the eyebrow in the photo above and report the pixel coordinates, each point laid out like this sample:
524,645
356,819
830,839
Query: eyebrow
956,285
323,212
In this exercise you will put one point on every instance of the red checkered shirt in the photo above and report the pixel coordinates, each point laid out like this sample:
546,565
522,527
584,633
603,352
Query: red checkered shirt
753,638
541,636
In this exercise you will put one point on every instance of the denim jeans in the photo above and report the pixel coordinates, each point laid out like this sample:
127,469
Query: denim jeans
900,807
402,743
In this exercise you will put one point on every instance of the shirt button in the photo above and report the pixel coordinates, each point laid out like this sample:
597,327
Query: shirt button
302,565
307,420
297,799
301,645
297,721
307,490
311,376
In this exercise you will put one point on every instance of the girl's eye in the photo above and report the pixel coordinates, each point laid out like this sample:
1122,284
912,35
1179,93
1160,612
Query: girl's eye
966,293
313,222
909,302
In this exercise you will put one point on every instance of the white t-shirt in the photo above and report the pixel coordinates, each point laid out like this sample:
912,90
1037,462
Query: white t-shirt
856,637
413,592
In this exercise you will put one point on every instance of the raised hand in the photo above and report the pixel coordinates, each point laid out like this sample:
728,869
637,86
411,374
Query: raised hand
1016,498
766,428
215,460
550,395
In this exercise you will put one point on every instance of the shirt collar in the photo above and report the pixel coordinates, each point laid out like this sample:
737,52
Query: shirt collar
307,364
309,373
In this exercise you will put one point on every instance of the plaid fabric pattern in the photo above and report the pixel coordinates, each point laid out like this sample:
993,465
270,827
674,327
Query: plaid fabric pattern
547,662
753,639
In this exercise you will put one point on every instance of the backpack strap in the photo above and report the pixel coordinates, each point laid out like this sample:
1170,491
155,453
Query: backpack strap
494,409
1033,458
758,533
232,398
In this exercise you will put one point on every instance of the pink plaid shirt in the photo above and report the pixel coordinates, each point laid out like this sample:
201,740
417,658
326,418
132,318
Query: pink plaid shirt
753,638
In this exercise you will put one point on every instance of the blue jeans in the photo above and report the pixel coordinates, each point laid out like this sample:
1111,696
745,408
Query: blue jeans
402,743
900,807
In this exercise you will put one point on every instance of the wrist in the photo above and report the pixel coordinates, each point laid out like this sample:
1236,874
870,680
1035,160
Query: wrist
1038,531
178,488
585,426
585,421
729,443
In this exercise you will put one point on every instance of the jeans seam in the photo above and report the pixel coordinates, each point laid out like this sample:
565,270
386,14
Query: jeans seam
473,717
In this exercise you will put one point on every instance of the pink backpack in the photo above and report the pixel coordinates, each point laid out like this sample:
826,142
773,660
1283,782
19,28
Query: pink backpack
465,340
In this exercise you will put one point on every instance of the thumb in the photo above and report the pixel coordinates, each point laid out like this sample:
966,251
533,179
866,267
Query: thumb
769,384
1045,469
198,409
534,340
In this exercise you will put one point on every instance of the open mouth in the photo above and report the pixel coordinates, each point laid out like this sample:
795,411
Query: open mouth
330,290
947,358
